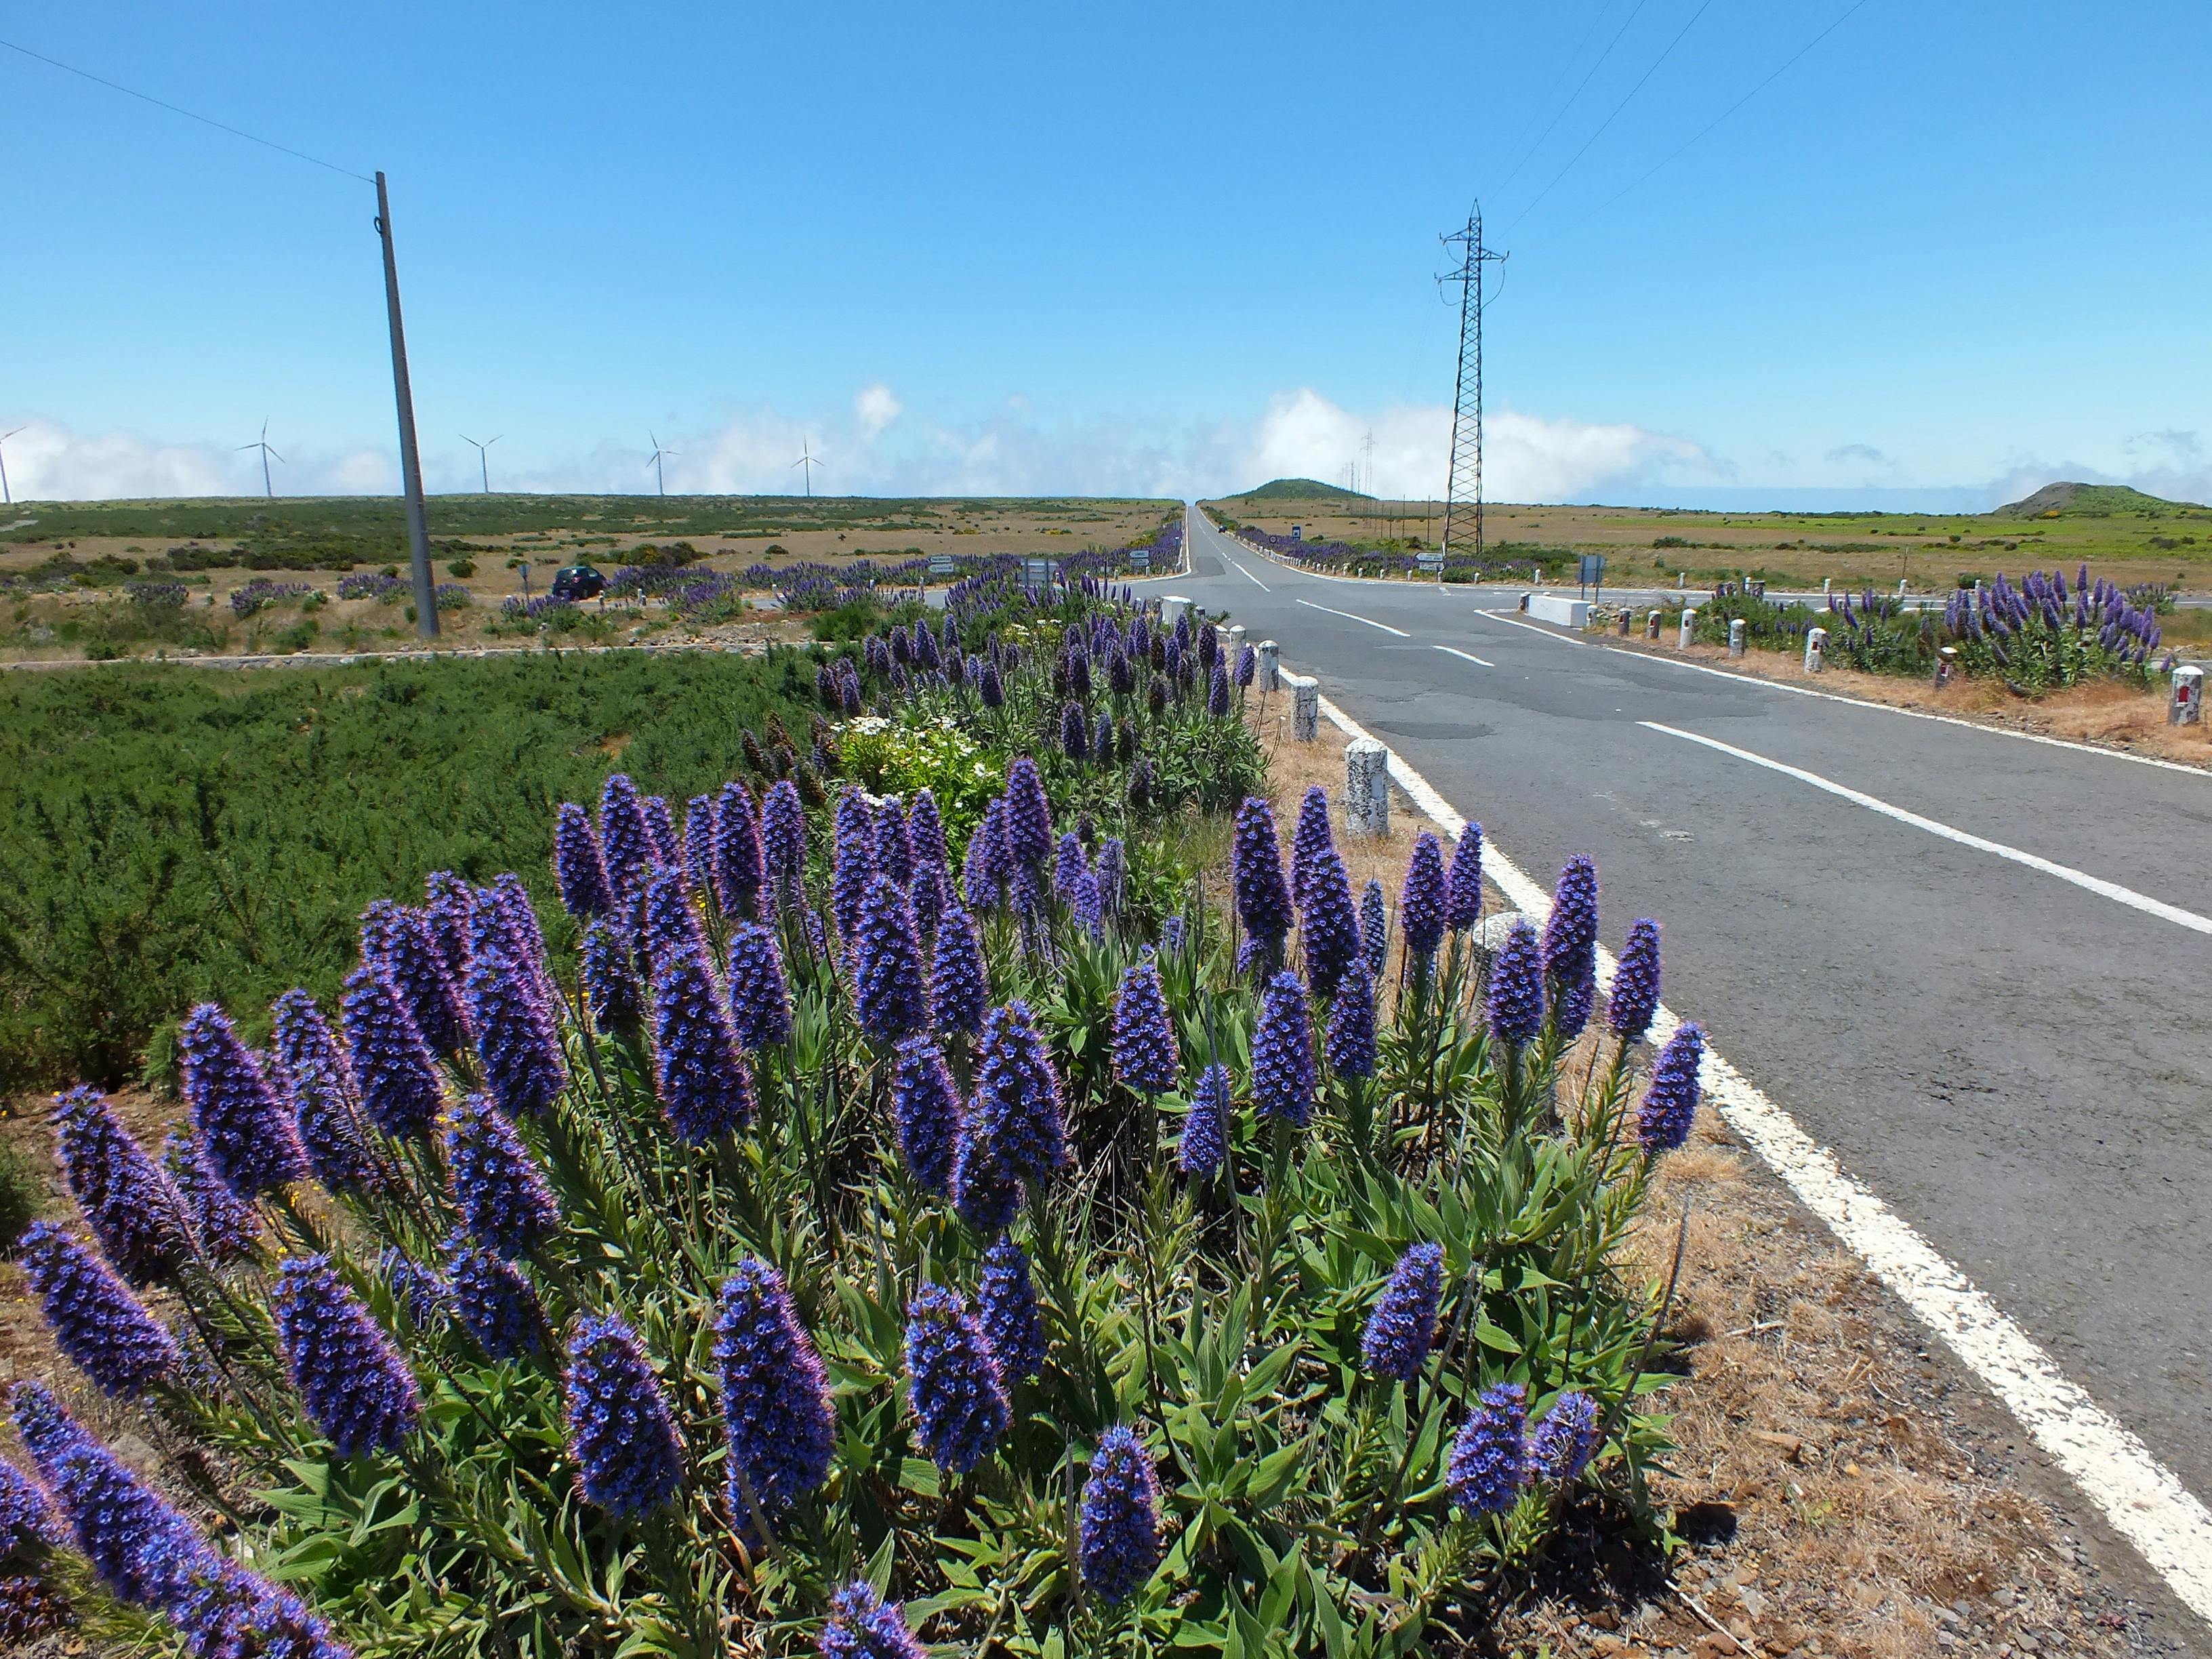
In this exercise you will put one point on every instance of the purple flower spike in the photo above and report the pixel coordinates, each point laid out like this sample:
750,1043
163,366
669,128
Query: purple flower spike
1247,665
104,1330
1146,1058
893,850
1565,1441
783,840
1310,838
1068,861
227,1230
1670,1104
760,998
1204,1145
1075,732
133,1210
1263,901
775,1394
956,1387
699,1073
863,1625
1570,1012
609,975
671,928
957,985
1007,1308
620,1429
1349,1042
325,1102
890,991
1329,929
493,1300
626,844
1217,692
27,1520
660,833
1515,1009
396,940
1113,872
580,869
1635,998
353,1382
1489,1462
1463,890
1282,1053
516,1040
924,831
1570,931
926,1108
699,846
1395,1344
1016,1114
502,1194
1086,906
1119,1530
739,869
855,863
1422,900
1028,814
452,905
400,1087
249,1137
984,873
1374,928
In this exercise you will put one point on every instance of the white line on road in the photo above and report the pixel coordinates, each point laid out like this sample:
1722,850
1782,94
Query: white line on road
2143,1499
1468,655
1348,616
1246,574
2097,885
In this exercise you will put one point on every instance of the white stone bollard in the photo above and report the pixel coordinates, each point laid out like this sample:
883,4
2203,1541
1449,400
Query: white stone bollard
2187,708
1305,706
1651,624
1232,643
1735,637
1366,787
1269,674
1816,650
1900,587
1947,662
1172,610
1681,579
1624,622
1827,585
1689,627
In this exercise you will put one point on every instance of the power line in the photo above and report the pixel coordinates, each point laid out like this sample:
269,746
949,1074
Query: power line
190,115
1617,108
1527,154
1849,13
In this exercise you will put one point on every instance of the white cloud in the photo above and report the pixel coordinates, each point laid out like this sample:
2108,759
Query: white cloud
875,409
47,461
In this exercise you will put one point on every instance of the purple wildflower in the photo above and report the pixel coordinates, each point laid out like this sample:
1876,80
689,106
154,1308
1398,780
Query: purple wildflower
1282,1053
1571,1009
699,1073
1310,838
783,839
1374,928
775,1394
957,985
355,1386
1086,907
1113,872
926,1107
1422,900
397,940
27,1521
227,1229
1205,1143
1007,1308
609,972
1489,1461
1146,1058
502,1194
326,1101
580,869
1028,814
863,1625
1247,667
1118,1529
984,873
855,863
1075,732
133,1210
493,1301
1329,929
104,1330
1069,861
1566,1440
399,1080
1463,889
626,844
956,1386
249,1137
893,850
1015,1117
1515,1008
620,1430
1395,1344
1670,1104
523,1065
890,991
1570,946
1217,692
1263,901
1349,1043
669,928
739,872
699,845
760,999
660,833
1635,998
451,904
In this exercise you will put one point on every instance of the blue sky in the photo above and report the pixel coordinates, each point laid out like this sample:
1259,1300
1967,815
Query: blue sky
1952,250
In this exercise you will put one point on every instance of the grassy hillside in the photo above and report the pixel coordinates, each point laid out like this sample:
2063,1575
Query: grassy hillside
2084,501
1300,489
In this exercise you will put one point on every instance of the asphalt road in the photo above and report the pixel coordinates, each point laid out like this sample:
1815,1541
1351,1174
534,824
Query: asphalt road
2019,1065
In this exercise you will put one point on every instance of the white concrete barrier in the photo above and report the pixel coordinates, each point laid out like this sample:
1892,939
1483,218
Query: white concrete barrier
1173,609
1305,706
1366,788
1558,608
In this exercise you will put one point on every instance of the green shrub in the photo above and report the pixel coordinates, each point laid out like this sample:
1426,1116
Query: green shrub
22,1193
461,569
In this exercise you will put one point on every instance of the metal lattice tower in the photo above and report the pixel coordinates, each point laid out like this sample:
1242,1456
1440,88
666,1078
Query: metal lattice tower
1463,489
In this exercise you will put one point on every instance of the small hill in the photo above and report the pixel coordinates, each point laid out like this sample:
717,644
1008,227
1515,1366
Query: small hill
1300,489
2087,500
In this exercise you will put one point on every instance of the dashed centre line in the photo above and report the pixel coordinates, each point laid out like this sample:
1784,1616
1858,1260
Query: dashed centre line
1349,617
1468,656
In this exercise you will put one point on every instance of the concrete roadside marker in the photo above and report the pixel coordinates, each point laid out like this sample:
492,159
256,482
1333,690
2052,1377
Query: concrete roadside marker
1366,788
1651,624
1736,631
1305,706
1946,659
1689,627
2187,708
1269,674
1816,650
1173,609
2144,1501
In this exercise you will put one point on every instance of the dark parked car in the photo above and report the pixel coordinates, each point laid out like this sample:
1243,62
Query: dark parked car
578,581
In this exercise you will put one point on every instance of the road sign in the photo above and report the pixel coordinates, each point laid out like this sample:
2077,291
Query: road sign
1140,558
1036,573
1297,532
1593,570
940,564
1430,560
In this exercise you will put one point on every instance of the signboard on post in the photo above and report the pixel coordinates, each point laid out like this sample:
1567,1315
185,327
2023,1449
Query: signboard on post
1592,574
1430,563
940,564
1036,573
1297,532
1140,558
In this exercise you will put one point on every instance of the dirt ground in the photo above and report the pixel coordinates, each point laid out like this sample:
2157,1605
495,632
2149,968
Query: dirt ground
1842,1487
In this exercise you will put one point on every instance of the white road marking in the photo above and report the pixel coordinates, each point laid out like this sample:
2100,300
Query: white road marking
1246,574
2097,885
1860,702
1348,616
1471,658
2144,1500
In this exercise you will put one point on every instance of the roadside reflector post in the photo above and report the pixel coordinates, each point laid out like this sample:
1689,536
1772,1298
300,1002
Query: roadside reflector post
1366,787
1816,650
1270,674
2187,708
1827,585
1689,626
1900,587
1233,643
1305,706
1681,579
1736,630
1946,659
1651,624
1624,622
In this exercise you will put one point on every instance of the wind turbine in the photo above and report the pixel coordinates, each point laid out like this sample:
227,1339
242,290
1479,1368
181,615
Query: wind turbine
484,461
262,444
659,455
6,497
810,461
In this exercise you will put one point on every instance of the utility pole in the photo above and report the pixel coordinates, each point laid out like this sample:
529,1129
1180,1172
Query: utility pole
1463,488
410,459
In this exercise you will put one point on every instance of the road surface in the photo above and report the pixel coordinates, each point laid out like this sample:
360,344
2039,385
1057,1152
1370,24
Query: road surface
2018,1061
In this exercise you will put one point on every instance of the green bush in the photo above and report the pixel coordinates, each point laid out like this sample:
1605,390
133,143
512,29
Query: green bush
461,569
